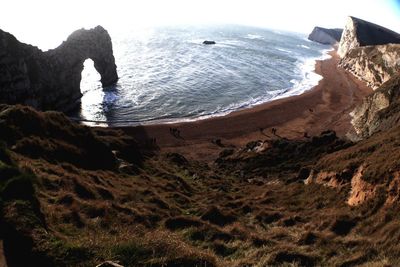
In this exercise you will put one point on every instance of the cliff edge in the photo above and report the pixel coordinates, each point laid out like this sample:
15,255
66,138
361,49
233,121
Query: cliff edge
325,36
359,33
369,51
379,111
51,80
373,64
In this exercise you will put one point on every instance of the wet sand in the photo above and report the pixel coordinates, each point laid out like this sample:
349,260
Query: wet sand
326,106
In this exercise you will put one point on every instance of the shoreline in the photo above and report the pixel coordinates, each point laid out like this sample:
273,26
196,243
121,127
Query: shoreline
326,54
325,106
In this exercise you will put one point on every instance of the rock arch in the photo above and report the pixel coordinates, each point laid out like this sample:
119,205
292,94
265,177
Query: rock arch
51,80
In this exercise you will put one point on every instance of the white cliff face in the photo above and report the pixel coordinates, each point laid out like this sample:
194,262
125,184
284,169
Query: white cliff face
373,64
349,38
360,33
378,111
363,116
372,54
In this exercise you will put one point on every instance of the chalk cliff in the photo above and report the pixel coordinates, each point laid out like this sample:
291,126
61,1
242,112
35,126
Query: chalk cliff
372,54
51,80
325,36
359,33
379,111
373,64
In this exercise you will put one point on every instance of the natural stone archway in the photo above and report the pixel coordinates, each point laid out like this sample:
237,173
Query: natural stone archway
90,77
51,80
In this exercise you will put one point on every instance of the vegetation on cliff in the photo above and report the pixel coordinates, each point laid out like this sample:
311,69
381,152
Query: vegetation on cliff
89,195
71,195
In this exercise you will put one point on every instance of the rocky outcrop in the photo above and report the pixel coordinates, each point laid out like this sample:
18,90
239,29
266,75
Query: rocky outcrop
51,80
325,36
373,64
360,192
359,33
372,54
378,111
329,178
209,42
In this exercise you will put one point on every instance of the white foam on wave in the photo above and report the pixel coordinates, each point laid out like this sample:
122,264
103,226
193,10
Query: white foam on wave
309,78
254,36
305,80
219,112
304,46
283,50
231,42
196,41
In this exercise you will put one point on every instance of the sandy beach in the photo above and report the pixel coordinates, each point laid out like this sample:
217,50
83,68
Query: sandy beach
326,106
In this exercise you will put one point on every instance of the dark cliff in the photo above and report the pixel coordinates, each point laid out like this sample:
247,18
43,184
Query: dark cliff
51,80
325,36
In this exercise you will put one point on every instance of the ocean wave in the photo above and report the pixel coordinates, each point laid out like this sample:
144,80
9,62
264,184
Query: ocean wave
254,36
174,78
309,78
284,50
304,46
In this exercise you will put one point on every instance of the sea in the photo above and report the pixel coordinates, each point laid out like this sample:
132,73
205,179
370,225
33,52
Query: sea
167,74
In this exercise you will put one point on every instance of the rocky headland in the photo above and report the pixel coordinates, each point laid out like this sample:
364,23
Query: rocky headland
51,80
360,33
371,53
325,36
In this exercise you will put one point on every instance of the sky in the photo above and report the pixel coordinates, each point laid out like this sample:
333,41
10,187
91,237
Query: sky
47,22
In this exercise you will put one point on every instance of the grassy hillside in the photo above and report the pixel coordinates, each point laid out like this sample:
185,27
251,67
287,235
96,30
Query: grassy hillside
76,196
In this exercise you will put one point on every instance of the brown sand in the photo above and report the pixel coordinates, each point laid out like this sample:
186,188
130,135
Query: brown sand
326,106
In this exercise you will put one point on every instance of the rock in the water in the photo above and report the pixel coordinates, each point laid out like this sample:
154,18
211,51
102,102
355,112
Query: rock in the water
51,80
358,33
209,42
325,36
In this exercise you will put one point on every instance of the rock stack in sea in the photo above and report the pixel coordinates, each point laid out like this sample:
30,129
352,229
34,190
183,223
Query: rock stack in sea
51,80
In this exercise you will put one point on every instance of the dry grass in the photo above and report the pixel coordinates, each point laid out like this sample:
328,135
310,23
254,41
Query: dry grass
242,211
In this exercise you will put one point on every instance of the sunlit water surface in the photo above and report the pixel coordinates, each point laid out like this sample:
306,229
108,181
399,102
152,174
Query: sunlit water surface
167,74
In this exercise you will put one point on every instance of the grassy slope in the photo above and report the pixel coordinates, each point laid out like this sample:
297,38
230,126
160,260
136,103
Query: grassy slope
91,195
